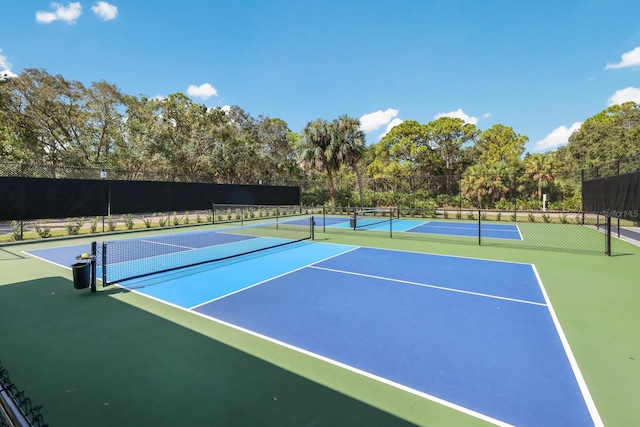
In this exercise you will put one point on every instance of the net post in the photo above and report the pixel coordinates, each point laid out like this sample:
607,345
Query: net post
104,264
213,213
324,219
391,223
479,228
312,224
92,262
608,234
355,220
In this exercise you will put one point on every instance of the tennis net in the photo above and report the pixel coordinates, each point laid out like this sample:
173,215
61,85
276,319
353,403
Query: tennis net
121,260
369,217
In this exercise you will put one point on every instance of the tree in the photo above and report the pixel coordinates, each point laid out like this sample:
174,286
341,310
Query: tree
609,135
541,168
474,183
277,150
104,127
328,146
48,116
348,142
314,151
500,143
487,183
447,136
404,151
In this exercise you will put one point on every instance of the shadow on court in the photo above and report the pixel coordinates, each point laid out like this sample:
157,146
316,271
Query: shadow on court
92,359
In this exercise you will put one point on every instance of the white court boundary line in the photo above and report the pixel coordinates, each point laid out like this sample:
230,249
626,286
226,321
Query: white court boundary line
586,395
426,285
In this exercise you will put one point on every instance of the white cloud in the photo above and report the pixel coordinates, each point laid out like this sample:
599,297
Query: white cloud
559,136
69,14
105,11
486,115
5,67
629,59
377,119
204,91
625,95
459,114
392,124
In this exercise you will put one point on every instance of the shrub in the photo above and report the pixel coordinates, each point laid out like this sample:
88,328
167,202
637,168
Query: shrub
43,229
93,224
162,221
186,217
128,221
176,220
111,223
210,216
74,225
498,216
445,214
532,218
563,219
148,221
16,230
470,216
546,218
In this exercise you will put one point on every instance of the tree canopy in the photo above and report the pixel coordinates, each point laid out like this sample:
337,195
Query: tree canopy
49,120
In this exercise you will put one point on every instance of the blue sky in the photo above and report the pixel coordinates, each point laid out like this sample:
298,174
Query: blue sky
540,67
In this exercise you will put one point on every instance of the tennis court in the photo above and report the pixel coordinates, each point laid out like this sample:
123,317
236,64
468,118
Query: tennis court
478,336
445,228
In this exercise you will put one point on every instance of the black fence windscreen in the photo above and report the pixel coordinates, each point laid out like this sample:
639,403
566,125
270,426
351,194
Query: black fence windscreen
620,195
37,198
41,198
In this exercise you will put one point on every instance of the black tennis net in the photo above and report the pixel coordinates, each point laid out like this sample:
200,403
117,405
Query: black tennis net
369,217
121,260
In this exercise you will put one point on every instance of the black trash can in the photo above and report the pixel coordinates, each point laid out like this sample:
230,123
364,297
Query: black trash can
81,275
352,222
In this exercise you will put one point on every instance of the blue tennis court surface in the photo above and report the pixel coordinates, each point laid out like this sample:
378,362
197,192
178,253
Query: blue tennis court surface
479,336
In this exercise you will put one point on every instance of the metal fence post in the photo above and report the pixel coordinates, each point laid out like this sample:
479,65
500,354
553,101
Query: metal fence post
479,228
608,234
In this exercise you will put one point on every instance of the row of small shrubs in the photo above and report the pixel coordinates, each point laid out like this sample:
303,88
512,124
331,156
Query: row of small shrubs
563,218
76,226
252,213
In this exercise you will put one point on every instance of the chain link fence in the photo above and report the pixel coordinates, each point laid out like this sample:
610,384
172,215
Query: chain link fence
517,198
16,409
621,166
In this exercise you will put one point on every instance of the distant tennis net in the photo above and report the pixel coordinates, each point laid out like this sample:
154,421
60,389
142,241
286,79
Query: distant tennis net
121,260
370,217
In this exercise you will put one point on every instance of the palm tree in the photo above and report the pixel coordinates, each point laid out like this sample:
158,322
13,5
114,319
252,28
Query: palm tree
497,185
475,183
541,168
316,152
327,146
348,145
